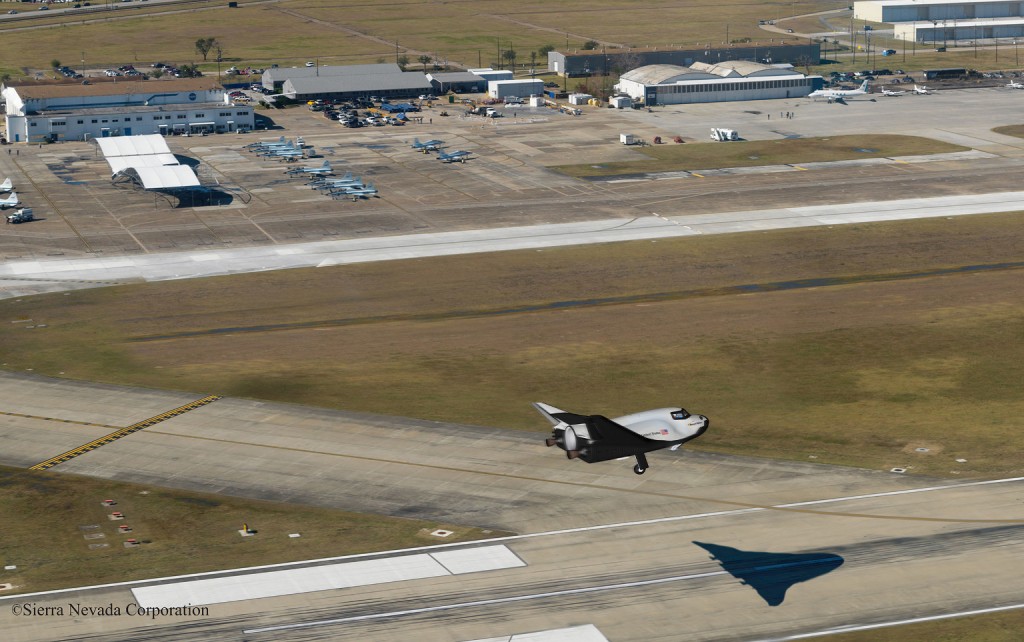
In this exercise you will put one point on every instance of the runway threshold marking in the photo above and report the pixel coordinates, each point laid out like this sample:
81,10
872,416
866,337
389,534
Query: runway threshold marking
122,432
745,506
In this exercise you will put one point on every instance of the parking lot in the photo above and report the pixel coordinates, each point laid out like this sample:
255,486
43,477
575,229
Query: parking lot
506,183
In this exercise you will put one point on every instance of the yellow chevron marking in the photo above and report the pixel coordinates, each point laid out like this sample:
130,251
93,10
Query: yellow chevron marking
121,432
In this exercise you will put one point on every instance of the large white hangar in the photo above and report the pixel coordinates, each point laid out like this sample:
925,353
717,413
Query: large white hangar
950,31
707,83
52,112
909,10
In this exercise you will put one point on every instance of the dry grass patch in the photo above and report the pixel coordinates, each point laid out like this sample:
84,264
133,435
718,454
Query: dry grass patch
183,532
694,157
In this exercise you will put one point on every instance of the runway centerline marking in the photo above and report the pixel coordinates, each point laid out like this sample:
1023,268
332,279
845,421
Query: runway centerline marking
58,420
747,506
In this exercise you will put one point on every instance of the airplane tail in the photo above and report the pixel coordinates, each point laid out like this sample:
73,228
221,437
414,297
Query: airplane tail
864,86
7,185
326,165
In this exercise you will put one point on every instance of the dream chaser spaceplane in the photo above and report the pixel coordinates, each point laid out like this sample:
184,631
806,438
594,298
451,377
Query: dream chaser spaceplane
594,438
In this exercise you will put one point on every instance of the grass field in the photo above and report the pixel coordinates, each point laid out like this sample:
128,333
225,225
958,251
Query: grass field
184,532
290,32
997,627
861,373
669,157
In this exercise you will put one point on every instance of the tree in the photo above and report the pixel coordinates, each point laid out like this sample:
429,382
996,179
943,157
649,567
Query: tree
533,62
204,46
545,50
402,61
156,73
510,56
55,64
424,59
590,45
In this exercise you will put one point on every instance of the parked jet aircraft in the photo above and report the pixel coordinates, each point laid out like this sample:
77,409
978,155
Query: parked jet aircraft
323,182
594,438
261,143
921,90
356,192
7,185
892,92
10,201
334,186
836,94
429,146
458,155
322,170
1013,84
277,150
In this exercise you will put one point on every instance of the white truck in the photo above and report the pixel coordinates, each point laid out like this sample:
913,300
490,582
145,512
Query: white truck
24,215
721,134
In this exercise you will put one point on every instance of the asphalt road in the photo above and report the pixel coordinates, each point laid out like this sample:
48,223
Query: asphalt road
602,546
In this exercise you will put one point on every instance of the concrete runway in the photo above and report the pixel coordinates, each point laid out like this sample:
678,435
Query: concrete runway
950,548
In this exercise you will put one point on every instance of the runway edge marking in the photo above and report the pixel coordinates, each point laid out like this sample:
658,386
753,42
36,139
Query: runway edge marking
487,542
123,432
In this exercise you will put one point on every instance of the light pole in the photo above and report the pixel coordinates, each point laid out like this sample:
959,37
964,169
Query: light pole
1016,55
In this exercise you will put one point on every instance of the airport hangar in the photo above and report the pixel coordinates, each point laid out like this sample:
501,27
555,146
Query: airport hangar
929,10
957,30
945,20
607,61
705,83
38,112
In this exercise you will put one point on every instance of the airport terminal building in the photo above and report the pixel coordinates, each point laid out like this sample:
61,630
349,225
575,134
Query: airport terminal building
706,83
39,112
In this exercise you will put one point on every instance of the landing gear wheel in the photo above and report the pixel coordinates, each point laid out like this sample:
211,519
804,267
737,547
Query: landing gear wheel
638,470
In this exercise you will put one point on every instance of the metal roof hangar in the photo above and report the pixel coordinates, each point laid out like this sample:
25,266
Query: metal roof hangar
928,10
606,61
707,83
349,86
52,112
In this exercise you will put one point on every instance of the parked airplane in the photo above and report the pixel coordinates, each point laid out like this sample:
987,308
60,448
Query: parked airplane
322,170
1013,84
921,90
10,201
458,155
429,146
334,186
7,185
836,94
892,92
322,182
277,150
260,143
356,192
594,438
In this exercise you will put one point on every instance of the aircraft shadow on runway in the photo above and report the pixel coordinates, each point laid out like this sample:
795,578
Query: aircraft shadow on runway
772,574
